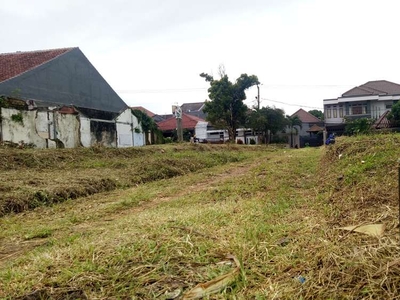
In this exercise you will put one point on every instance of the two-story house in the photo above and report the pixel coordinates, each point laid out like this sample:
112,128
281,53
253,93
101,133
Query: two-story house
370,100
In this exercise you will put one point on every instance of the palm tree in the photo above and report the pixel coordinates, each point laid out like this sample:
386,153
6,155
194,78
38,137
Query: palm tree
293,122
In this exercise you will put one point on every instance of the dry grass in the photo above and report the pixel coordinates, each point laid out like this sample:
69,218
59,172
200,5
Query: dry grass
30,178
276,211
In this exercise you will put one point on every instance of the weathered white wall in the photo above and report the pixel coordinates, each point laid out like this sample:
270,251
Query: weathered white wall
67,129
125,116
16,132
86,139
138,139
201,130
125,136
44,128
40,128
127,125
125,129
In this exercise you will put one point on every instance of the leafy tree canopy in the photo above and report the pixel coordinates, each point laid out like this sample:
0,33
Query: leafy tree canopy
226,109
394,115
267,119
317,113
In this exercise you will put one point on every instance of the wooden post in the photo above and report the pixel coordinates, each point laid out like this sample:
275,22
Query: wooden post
398,166
179,129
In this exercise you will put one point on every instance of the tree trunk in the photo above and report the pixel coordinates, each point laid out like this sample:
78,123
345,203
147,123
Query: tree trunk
232,134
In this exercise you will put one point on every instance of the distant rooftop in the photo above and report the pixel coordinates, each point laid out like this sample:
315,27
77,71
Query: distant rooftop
377,87
306,117
188,122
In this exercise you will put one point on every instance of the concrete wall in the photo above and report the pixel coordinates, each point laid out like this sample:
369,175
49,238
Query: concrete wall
44,129
67,130
201,130
125,129
129,131
17,132
103,133
47,128
138,139
86,137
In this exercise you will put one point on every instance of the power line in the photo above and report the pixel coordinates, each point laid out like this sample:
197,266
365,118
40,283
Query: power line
291,104
193,89
263,86
154,91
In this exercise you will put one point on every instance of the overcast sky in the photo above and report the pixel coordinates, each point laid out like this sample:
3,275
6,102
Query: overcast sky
152,51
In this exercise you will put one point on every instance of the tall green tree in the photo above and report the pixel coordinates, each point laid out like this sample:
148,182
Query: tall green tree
317,113
394,115
226,109
267,120
293,123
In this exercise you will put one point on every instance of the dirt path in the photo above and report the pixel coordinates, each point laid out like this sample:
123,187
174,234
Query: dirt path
12,248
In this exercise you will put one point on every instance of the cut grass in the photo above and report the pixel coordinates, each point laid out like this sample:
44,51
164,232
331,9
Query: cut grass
30,178
270,209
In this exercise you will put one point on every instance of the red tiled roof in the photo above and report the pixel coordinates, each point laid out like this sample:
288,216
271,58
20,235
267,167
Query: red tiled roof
146,111
315,128
306,117
377,87
14,64
188,122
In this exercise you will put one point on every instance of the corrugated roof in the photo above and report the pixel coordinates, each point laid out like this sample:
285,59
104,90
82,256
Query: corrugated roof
16,63
306,117
188,122
377,87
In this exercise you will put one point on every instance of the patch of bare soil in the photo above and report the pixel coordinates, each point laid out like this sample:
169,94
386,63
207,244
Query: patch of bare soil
12,250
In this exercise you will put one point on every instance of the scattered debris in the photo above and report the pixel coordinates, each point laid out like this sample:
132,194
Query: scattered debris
283,241
172,295
214,286
301,279
370,229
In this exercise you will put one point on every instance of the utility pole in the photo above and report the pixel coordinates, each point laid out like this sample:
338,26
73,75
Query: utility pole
258,97
178,116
